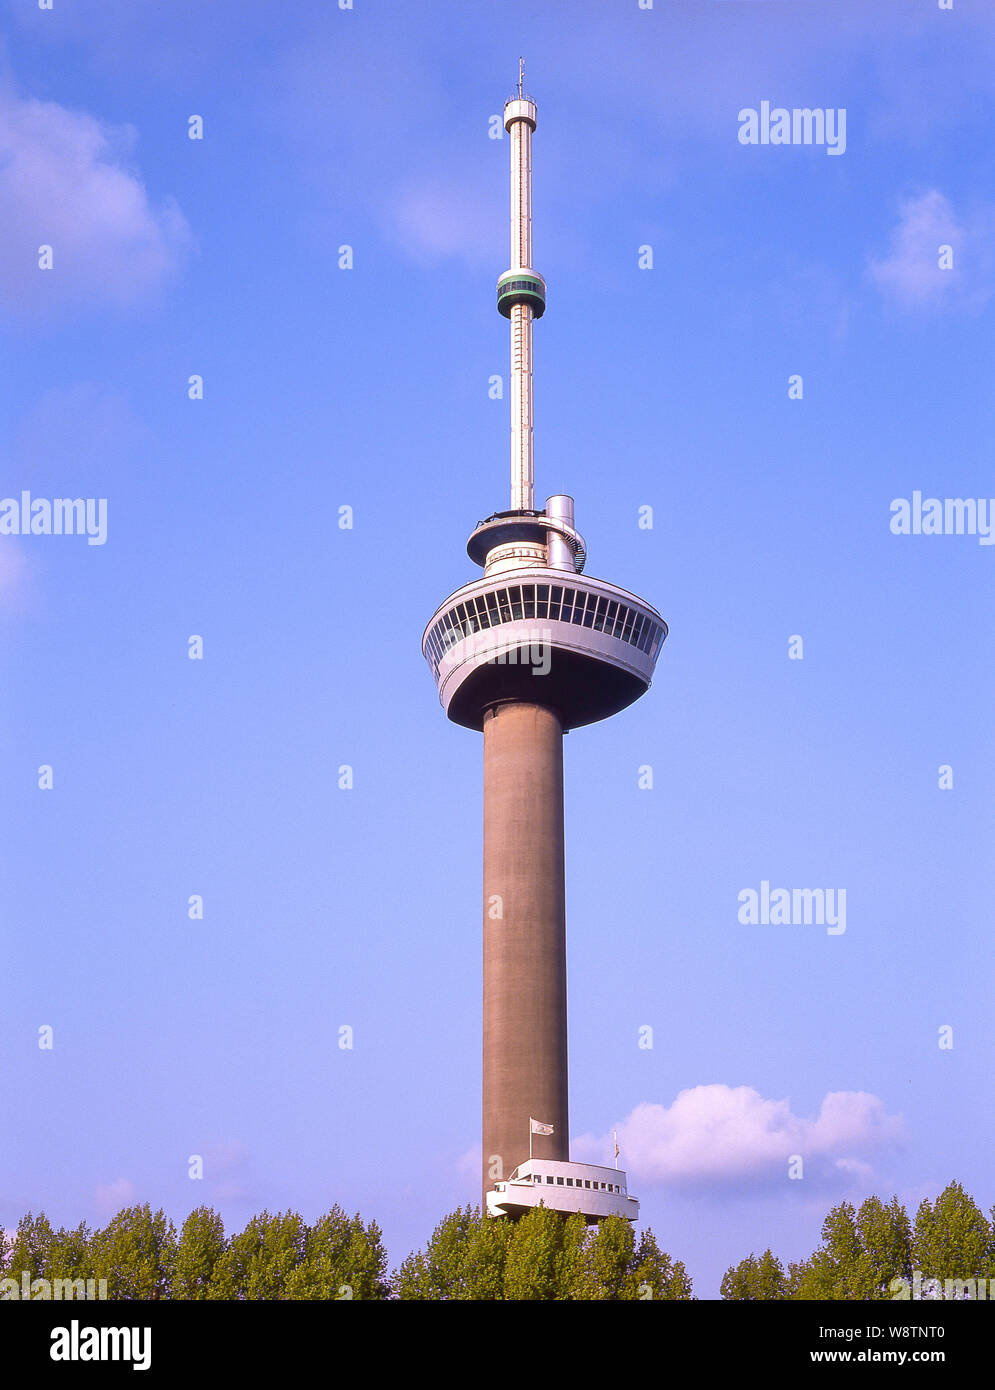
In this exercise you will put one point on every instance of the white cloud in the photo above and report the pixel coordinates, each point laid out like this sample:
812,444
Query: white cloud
79,437
435,218
228,1171
468,1163
113,1197
910,273
15,575
66,182
730,1136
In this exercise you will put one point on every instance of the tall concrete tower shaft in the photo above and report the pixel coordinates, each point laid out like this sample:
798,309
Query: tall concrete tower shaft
525,949
529,651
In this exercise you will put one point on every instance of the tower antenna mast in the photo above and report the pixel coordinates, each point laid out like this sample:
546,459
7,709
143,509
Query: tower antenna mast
520,122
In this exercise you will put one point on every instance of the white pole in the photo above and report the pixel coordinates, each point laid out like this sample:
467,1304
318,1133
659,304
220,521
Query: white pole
522,466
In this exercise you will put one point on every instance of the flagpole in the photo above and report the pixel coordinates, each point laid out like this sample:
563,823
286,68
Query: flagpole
530,1138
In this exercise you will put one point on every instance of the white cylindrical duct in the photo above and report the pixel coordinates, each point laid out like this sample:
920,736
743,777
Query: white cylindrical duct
561,508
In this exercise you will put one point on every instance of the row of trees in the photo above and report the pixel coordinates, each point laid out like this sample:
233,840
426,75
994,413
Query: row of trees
864,1250
141,1256
544,1256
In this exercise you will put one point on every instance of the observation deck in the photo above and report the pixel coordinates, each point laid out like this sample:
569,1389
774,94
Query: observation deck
581,646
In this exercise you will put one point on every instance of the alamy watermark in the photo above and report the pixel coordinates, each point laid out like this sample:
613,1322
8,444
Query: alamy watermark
58,516
530,647
943,516
947,1289
76,1343
798,126
793,907
44,1289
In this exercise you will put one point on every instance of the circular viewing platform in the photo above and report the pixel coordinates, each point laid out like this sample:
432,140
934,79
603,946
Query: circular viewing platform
521,287
580,646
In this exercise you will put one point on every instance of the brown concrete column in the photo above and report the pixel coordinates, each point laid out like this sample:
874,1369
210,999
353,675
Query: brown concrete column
525,968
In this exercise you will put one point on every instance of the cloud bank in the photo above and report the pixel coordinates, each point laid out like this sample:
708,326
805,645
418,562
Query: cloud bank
730,1137
910,274
66,182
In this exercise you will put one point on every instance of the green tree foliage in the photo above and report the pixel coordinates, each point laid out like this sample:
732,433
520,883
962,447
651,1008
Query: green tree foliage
31,1247
756,1280
465,1259
201,1245
342,1259
136,1254
47,1254
886,1247
657,1275
607,1263
544,1256
71,1254
861,1253
260,1259
952,1239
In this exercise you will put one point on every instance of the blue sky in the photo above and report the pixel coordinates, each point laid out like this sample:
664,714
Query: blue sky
368,388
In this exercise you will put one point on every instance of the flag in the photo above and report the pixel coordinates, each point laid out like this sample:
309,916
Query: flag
538,1128
616,1144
